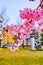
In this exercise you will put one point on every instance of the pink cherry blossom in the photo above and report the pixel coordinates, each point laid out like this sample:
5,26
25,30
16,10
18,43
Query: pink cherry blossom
32,19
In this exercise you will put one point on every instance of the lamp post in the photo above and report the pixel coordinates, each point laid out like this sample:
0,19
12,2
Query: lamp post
1,20
32,39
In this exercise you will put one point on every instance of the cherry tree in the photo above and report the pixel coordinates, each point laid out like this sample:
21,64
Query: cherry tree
31,18
40,5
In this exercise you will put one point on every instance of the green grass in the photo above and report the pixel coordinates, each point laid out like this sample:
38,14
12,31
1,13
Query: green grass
21,57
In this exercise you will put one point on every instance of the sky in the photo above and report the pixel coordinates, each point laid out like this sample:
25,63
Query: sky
13,8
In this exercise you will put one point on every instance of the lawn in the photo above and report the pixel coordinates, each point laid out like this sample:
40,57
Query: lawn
21,57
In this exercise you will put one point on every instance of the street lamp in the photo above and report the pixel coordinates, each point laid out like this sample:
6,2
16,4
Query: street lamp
1,20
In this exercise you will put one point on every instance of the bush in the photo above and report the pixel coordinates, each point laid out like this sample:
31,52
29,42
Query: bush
4,46
41,38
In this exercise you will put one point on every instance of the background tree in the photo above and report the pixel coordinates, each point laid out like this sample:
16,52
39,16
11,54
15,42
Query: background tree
5,17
